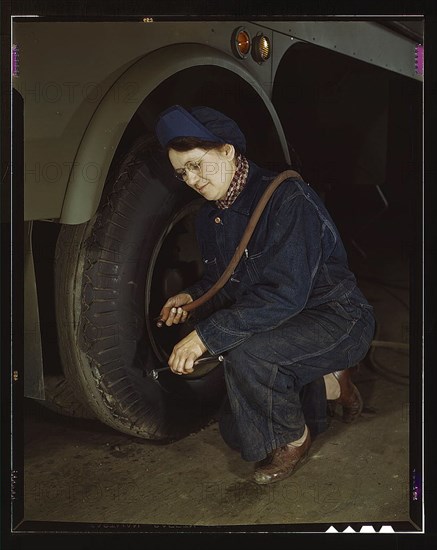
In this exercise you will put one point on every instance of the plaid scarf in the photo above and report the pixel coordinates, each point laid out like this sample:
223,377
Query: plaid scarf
237,184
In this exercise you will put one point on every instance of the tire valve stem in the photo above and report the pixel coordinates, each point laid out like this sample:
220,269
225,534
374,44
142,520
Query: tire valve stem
159,322
209,359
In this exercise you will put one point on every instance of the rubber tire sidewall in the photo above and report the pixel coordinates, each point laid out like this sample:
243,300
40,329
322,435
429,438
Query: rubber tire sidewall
101,271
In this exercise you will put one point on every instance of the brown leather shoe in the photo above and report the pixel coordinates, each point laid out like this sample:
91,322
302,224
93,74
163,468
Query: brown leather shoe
350,398
282,462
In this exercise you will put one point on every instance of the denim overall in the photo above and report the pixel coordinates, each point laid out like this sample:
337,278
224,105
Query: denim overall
290,313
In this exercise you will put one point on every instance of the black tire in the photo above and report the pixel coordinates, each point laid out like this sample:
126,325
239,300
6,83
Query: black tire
60,398
112,275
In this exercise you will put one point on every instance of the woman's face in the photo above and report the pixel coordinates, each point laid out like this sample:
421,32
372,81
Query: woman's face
207,172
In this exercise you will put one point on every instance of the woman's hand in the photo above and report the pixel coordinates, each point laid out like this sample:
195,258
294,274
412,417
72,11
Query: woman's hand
185,352
172,312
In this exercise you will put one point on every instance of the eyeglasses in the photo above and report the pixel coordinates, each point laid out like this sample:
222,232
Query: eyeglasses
193,166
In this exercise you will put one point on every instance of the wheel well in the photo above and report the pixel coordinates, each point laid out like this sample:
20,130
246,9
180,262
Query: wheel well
168,75
220,89
356,128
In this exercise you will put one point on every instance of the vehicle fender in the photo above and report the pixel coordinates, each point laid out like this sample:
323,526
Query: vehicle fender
109,121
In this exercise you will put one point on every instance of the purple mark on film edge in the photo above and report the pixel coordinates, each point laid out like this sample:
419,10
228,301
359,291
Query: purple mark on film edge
14,60
417,486
419,59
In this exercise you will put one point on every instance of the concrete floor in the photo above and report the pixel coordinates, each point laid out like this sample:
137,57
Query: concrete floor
82,471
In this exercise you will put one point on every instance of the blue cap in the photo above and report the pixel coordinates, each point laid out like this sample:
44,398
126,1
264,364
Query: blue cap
202,123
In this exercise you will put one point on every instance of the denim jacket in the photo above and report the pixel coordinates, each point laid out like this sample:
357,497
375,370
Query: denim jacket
294,260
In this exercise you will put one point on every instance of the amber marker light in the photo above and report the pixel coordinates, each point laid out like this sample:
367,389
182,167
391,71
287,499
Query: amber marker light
241,42
261,49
